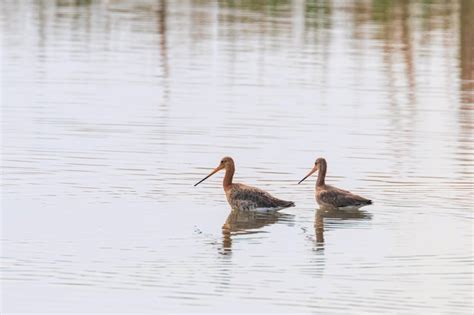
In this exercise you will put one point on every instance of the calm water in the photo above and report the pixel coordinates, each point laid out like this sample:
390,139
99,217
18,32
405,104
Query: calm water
112,110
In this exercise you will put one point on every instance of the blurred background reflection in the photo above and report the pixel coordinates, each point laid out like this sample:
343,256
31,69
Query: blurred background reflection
112,109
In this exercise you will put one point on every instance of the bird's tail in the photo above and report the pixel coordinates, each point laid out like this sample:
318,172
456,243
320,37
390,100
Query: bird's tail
290,204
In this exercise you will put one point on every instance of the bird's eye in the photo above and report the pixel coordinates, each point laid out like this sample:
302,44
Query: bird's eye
222,161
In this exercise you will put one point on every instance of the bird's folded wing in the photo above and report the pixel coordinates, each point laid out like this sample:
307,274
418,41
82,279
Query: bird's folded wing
340,198
248,194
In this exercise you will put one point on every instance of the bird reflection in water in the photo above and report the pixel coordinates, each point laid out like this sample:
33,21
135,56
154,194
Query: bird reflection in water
341,217
247,222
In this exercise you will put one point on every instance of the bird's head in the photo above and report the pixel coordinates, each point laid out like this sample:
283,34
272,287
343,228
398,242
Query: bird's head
320,162
225,163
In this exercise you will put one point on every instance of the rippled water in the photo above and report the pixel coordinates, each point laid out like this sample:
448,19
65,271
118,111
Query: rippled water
112,110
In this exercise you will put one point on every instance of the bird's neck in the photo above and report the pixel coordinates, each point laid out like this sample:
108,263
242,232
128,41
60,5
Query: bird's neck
229,174
322,174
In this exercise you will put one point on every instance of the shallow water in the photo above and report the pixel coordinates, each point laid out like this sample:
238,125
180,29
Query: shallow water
112,110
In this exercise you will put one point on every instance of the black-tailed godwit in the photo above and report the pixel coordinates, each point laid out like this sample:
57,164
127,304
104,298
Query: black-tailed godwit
243,197
329,197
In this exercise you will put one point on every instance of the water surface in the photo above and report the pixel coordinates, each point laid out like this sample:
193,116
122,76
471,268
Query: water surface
112,110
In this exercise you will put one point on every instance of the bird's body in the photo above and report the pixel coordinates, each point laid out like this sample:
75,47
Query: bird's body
248,198
243,197
330,197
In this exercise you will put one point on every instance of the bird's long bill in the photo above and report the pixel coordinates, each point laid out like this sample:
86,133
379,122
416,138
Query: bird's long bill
212,173
309,174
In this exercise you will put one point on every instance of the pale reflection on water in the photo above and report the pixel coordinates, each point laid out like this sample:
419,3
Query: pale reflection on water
335,218
111,110
247,222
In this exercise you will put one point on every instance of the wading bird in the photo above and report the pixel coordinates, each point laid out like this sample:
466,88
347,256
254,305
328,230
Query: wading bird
329,197
243,197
